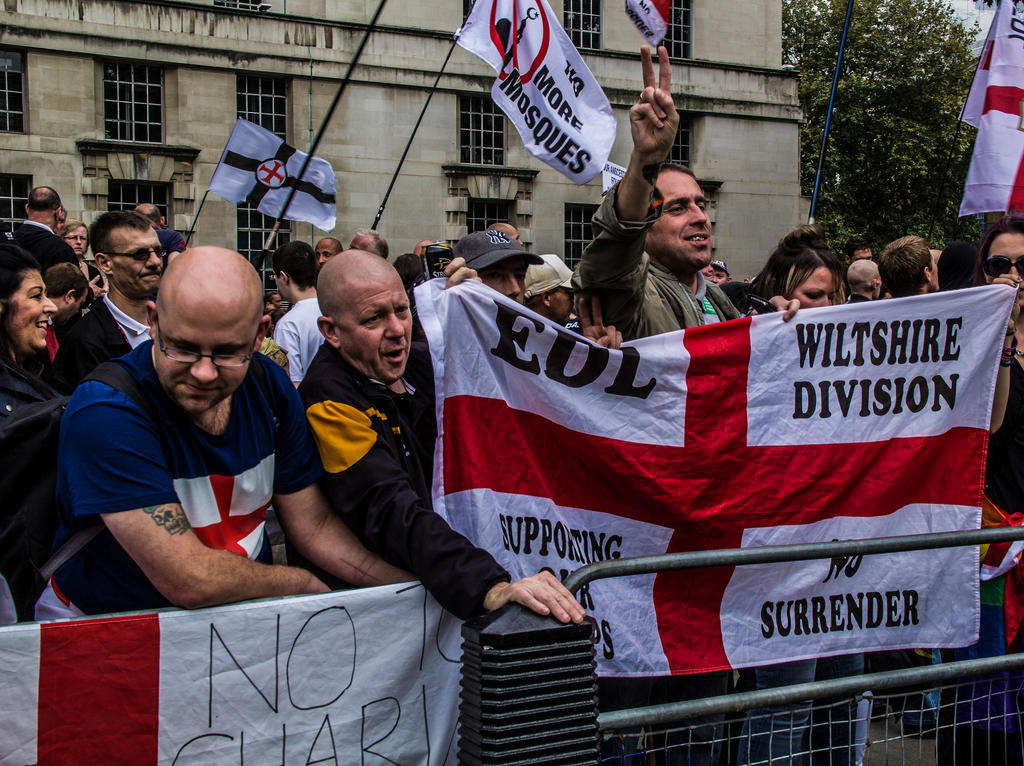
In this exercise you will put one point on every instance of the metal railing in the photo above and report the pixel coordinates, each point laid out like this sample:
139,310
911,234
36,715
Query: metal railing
847,701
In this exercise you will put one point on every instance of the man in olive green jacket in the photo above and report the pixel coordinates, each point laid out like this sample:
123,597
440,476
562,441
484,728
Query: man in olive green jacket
653,233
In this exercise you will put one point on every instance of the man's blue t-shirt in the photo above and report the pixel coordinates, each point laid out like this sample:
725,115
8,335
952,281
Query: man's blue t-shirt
113,457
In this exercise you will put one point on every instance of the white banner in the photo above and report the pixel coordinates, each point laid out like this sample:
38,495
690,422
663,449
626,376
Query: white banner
848,422
995,106
361,676
543,84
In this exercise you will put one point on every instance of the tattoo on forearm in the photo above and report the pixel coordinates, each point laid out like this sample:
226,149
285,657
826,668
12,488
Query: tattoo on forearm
170,516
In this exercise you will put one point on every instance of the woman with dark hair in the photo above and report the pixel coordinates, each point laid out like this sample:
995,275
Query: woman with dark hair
990,709
25,313
802,268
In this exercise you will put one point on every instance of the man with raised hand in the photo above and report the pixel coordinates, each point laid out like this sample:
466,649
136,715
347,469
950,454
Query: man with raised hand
180,492
369,398
653,235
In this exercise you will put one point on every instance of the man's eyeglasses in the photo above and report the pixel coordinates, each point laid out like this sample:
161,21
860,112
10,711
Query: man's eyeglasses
143,254
1000,264
191,357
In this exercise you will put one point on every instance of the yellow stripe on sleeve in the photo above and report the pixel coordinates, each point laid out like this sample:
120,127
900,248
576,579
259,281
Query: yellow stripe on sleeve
342,433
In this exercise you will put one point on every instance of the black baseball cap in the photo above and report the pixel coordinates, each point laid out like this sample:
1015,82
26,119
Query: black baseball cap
482,249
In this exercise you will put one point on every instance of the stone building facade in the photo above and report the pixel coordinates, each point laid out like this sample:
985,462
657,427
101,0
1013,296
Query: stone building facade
113,102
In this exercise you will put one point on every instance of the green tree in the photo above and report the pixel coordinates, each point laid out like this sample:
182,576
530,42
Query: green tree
906,72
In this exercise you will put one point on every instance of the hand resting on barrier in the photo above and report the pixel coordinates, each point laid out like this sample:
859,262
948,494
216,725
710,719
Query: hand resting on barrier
542,593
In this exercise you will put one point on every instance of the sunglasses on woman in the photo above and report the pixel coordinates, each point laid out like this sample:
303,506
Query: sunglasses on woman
1000,264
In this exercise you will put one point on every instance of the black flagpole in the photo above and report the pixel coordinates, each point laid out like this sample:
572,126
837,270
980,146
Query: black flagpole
320,134
945,172
192,228
828,114
416,127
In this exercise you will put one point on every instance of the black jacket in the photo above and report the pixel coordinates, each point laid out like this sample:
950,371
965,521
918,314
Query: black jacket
377,450
46,247
94,339
18,389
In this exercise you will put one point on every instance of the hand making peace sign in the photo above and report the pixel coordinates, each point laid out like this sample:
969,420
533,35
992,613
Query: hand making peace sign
653,118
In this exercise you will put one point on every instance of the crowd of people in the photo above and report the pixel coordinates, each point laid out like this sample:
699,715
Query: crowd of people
324,411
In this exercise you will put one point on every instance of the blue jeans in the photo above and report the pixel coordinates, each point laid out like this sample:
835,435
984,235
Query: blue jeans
785,733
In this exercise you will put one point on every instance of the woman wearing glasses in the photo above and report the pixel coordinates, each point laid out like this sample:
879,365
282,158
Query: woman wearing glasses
77,235
989,710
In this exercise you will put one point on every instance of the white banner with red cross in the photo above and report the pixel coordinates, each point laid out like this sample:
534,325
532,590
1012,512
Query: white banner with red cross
995,106
362,676
848,422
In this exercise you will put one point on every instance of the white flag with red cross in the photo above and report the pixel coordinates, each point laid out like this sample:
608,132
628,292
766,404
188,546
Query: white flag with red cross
847,422
651,18
995,106
258,167
543,85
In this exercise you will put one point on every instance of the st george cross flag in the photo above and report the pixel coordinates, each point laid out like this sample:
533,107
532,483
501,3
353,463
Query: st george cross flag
651,17
260,168
367,676
845,423
543,85
995,106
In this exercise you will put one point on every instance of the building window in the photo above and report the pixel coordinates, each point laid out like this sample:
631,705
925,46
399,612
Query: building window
253,228
12,92
577,231
133,103
484,211
481,131
679,37
125,195
582,20
681,148
263,100
13,196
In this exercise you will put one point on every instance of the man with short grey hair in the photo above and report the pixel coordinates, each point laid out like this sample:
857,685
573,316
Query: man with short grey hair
865,283
369,401
371,241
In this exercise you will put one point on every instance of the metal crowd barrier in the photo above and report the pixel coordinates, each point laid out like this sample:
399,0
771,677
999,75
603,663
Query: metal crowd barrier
884,722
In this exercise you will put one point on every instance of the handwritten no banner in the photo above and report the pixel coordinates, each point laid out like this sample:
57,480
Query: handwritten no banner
358,676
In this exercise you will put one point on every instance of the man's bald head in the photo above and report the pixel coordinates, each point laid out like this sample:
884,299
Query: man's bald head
861,274
351,270
207,322
211,281
367,315
505,228
150,211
